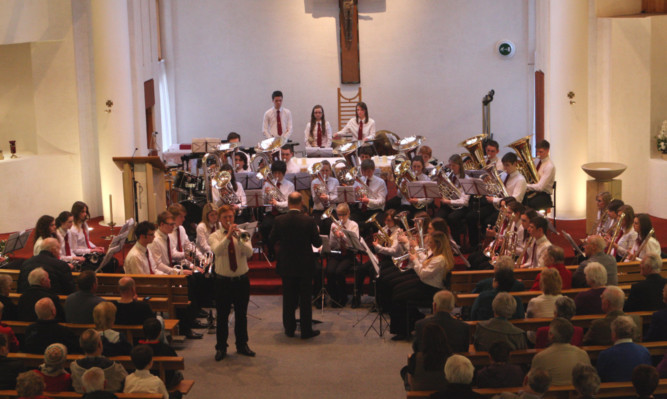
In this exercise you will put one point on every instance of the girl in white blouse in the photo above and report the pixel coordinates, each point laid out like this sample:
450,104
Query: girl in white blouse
208,225
626,236
45,228
544,305
318,130
361,127
81,243
642,225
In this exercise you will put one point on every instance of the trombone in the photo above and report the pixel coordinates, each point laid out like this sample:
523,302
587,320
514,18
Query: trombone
617,230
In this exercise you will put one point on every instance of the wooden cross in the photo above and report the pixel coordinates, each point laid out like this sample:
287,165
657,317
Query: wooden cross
349,42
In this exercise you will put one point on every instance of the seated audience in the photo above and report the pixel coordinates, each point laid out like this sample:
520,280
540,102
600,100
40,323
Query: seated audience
487,283
46,330
142,381
555,259
129,310
94,384
589,302
647,294
458,332
114,343
459,372
645,379
48,258
40,287
91,344
499,328
30,385
500,373
6,330
586,381
594,248
657,330
503,279
565,308
9,368
10,311
56,378
152,331
535,385
617,363
599,333
544,305
425,368
560,357
79,305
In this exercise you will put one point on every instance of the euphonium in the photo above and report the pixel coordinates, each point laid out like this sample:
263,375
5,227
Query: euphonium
222,181
272,192
320,189
383,238
474,145
207,173
617,230
445,186
494,184
526,164
403,174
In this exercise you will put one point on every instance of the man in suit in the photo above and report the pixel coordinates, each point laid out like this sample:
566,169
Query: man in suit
40,287
647,294
458,332
594,249
296,234
599,332
59,271
617,363
46,330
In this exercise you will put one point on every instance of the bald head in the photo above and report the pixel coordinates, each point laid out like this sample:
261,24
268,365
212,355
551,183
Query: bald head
52,245
294,200
126,285
45,309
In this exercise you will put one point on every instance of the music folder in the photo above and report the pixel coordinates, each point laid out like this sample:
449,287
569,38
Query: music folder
111,251
17,241
325,248
319,152
474,186
254,198
346,194
423,189
249,227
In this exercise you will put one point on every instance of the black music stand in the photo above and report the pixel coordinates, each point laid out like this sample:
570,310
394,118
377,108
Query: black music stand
475,186
111,251
380,317
15,242
323,294
346,194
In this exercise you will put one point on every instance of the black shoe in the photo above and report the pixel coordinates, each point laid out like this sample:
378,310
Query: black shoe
399,337
220,354
245,351
289,334
356,302
193,335
311,334
198,324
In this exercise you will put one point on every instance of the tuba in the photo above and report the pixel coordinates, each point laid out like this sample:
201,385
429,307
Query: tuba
475,147
383,238
222,181
445,186
526,165
408,145
349,152
403,174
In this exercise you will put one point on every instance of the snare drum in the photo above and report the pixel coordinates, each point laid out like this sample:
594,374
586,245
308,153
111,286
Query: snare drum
181,180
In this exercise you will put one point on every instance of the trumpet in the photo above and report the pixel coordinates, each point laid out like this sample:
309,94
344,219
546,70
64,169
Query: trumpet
241,235
616,230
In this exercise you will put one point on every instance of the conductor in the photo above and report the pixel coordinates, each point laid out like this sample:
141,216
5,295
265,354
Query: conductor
294,234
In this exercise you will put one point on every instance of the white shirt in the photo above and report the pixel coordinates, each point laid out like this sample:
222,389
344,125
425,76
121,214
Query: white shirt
497,161
378,192
515,185
220,246
331,188
203,233
396,249
522,238
352,128
60,233
464,198
160,251
432,270
270,125
326,135
286,187
179,231
136,261
626,242
652,247
37,248
350,225
142,381
547,175
292,166
422,201
540,248
80,246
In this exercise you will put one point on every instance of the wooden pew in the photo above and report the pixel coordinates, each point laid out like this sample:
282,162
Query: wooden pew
131,332
526,296
156,304
6,394
607,390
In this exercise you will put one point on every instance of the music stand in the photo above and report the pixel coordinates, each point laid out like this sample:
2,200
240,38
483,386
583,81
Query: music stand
573,243
345,194
323,294
126,227
475,186
301,180
423,189
110,253
254,198
16,241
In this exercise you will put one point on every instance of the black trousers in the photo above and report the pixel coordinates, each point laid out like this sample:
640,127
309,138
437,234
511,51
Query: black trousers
232,291
297,290
537,200
409,288
337,266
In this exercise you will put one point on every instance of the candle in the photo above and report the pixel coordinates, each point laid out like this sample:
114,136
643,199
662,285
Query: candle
110,210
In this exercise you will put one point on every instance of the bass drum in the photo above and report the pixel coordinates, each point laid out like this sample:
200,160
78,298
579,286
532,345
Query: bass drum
194,210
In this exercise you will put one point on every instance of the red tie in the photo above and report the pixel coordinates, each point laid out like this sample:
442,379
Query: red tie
280,125
360,135
68,251
534,261
507,176
231,249
613,250
150,267
538,165
319,134
85,234
179,247
169,249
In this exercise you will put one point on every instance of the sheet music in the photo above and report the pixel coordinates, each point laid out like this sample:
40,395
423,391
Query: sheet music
423,189
17,241
107,258
574,245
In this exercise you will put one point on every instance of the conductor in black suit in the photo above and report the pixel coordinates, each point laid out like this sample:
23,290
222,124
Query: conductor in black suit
294,234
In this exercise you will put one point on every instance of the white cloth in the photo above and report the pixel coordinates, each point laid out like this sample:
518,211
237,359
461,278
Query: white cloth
331,188
60,233
350,225
287,188
541,253
80,246
270,124
142,381
160,251
547,175
292,166
326,135
378,192
352,128
220,246
432,271
515,185
136,261
542,306
203,233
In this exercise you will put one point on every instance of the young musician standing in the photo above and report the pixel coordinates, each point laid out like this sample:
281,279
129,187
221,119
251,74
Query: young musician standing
277,120
361,127
318,130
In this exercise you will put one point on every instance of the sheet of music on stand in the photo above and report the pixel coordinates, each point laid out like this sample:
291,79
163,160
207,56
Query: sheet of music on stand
423,189
254,198
301,180
248,180
346,194
474,186
17,241
249,227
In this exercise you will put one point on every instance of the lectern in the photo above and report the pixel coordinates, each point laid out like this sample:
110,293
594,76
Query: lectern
143,187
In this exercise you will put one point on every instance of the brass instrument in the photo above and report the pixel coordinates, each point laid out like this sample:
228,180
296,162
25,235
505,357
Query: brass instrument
223,151
210,170
242,236
445,186
526,164
272,192
419,226
402,261
490,250
599,229
494,184
384,239
403,174
616,230
475,146
349,152
509,244
530,242
650,234
408,145
222,181
335,223
270,148
320,189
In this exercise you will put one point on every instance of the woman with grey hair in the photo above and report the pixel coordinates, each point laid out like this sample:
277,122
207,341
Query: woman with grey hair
459,372
589,302
499,328
565,308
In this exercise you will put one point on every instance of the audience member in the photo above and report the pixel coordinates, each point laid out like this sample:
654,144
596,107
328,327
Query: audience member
502,282
129,310
11,311
487,283
40,287
79,305
647,294
500,373
459,372
152,331
560,357
142,381
544,305
60,273
53,371
93,383
589,302
645,379
555,259
586,381
535,385
30,385
114,343
424,371
617,363
594,248
6,330
599,333
657,330
91,344
9,368
458,332
565,308
499,328
46,330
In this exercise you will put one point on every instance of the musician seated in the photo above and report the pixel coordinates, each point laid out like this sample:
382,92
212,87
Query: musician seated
81,243
536,252
44,228
64,223
491,151
539,194
513,180
287,155
240,162
427,155
338,264
480,260
625,234
236,198
276,192
646,243
412,204
155,255
323,194
602,222
371,195
208,225
454,210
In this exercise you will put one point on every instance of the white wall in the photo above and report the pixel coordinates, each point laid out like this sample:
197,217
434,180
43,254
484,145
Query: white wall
425,66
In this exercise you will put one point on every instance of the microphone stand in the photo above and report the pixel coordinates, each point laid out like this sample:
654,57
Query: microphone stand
134,187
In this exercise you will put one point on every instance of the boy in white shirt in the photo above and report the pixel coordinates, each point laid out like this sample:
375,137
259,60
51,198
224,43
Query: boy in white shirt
142,381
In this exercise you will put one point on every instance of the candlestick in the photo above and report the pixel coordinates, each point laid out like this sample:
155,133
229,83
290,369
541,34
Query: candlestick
110,210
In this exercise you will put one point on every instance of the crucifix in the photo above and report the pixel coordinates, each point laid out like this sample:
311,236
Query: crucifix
349,41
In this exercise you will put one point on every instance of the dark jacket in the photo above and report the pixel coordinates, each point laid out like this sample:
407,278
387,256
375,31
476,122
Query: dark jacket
500,375
41,334
30,297
458,391
132,313
295,234
11,310
458,332
599,333
9,370
60,274
609,263
79,307
646,295
657,331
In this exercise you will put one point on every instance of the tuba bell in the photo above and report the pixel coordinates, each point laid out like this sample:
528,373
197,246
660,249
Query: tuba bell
475,146
494,184
526,164
222,181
